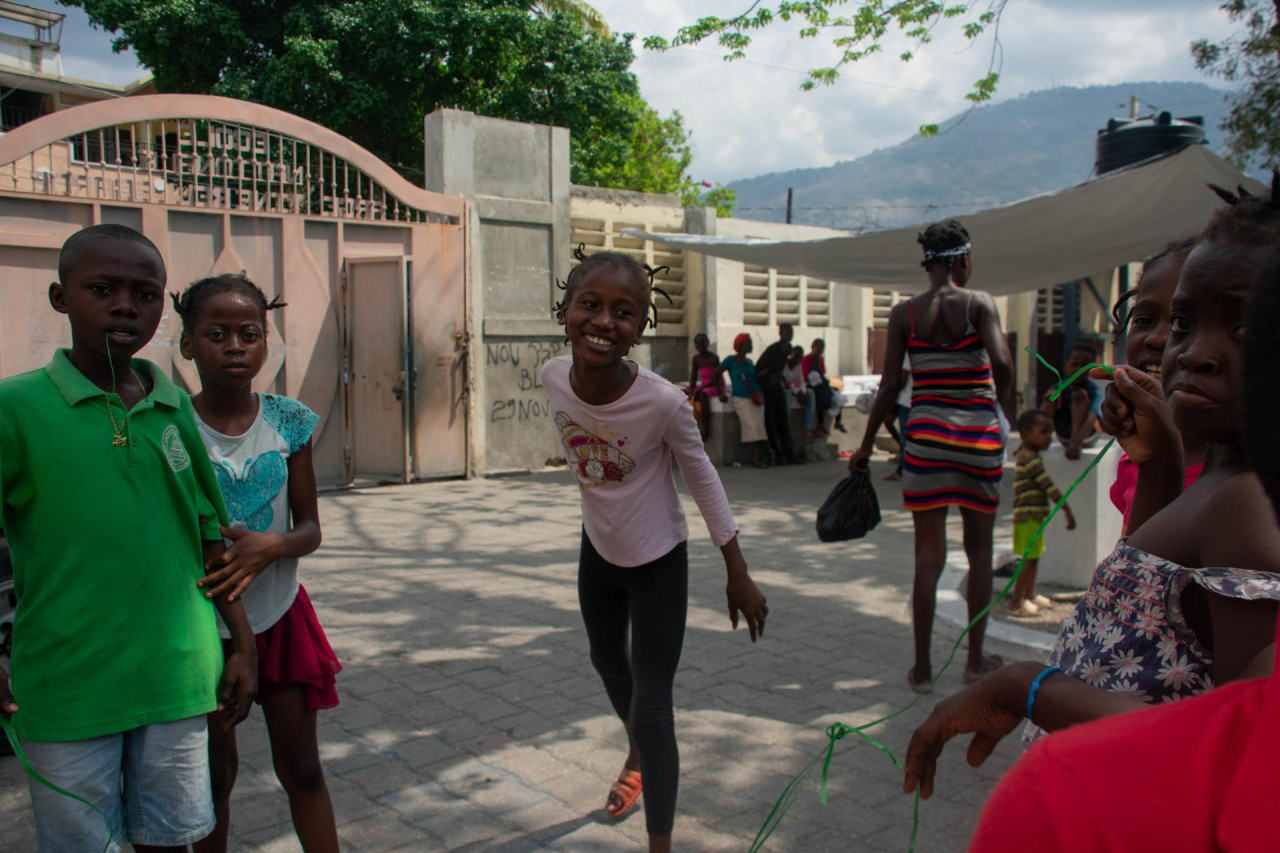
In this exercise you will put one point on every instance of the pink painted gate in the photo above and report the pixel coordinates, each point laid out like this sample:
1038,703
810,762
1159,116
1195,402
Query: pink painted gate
371,266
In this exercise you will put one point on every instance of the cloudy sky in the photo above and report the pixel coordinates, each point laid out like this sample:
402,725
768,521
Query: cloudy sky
750,117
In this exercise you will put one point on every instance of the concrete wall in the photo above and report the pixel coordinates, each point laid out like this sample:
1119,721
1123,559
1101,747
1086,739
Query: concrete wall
516,176
29,55
1070,556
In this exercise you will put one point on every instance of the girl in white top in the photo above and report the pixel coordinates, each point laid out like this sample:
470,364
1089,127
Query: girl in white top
260,446
619,424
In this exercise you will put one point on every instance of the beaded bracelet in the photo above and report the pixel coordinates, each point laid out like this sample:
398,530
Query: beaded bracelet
1035,688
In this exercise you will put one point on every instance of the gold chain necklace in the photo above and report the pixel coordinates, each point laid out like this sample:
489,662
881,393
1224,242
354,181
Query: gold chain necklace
120,440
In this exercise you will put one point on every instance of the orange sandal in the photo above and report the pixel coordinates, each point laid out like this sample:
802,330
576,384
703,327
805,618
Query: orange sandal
627,790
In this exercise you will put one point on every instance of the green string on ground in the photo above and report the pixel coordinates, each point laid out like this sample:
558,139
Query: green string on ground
7,725
838,731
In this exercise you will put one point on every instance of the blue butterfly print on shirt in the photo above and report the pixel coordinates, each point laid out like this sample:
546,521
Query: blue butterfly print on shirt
248,498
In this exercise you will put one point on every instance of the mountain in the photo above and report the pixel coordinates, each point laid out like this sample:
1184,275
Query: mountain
1039,142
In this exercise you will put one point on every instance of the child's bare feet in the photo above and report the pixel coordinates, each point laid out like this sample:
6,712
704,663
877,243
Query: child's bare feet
919,683
990,663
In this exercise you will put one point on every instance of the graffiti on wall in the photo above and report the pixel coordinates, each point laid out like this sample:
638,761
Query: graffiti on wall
513,371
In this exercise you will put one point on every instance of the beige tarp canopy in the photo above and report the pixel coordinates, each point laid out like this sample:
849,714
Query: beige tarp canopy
1109,221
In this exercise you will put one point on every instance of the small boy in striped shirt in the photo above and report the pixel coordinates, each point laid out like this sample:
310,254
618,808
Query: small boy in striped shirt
1034,495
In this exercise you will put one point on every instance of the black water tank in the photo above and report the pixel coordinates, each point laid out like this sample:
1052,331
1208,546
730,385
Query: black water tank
1125,141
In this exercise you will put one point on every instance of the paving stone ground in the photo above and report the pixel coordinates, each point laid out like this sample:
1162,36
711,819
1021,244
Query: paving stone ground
471,719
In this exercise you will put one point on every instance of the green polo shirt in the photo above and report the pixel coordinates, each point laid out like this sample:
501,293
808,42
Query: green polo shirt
111,631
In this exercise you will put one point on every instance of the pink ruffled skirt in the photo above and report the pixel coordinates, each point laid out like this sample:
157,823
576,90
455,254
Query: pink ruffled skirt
295,652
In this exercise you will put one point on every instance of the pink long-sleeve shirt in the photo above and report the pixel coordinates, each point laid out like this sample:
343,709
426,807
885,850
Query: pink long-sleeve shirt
620,455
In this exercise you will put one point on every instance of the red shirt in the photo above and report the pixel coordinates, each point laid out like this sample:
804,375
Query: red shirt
809,364
1198,775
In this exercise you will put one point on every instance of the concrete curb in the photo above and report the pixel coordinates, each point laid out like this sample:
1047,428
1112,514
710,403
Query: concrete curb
954,610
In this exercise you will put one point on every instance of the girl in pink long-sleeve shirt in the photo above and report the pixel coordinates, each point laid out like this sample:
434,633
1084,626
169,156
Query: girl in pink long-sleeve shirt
619,424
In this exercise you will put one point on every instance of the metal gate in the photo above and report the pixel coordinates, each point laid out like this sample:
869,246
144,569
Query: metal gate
372,267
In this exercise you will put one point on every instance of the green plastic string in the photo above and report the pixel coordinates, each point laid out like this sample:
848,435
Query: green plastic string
7,725
838,731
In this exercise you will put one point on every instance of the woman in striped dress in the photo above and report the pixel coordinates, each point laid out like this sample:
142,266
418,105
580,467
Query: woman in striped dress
954,441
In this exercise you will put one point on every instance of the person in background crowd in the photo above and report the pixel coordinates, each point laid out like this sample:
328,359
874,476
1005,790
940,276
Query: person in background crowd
777,411
748,399
703,382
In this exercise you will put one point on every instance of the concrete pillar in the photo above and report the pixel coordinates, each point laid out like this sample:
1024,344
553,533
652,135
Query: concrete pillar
1020,318
516,177
853,312
701,310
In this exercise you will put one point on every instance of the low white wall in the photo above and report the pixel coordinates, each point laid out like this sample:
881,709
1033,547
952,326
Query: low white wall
1071,556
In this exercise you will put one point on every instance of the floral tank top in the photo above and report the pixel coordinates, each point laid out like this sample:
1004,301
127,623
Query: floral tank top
1128,634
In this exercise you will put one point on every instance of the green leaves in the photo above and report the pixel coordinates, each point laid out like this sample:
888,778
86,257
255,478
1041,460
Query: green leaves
721,198
857,34
578,12
983,89
1253,124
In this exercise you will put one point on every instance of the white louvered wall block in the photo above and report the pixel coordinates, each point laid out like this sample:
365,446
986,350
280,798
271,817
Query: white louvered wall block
817,302
757,284
602,235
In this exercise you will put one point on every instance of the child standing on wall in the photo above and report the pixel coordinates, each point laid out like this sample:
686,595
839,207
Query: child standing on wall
620,424
1034,495
260,446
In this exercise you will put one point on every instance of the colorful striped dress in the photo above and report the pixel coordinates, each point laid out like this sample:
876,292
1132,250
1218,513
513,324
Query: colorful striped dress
954,454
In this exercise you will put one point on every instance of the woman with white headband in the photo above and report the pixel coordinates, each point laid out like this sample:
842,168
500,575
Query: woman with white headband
954,453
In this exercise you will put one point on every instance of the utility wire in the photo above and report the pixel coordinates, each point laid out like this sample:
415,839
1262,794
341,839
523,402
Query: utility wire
856,80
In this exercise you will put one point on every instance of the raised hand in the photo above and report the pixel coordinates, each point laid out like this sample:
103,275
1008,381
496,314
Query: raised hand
1135,412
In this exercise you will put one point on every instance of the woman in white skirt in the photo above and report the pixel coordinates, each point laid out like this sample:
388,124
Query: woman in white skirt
747,399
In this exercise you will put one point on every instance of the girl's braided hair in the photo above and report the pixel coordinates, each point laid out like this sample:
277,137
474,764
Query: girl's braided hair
642,273
1122,312
188,305
942,243
1248,219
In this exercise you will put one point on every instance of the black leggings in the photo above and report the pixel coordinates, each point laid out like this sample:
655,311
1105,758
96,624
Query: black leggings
653,600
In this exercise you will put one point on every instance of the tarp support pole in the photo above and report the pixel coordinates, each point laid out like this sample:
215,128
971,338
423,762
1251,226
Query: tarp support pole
1106,309
1122,275
1070,315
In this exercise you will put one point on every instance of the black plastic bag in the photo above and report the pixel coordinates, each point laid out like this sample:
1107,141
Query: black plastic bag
850,511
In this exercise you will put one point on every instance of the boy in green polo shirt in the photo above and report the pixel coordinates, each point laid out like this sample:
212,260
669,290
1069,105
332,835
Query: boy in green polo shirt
111,509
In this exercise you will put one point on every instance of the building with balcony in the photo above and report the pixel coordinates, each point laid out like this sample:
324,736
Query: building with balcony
31,80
